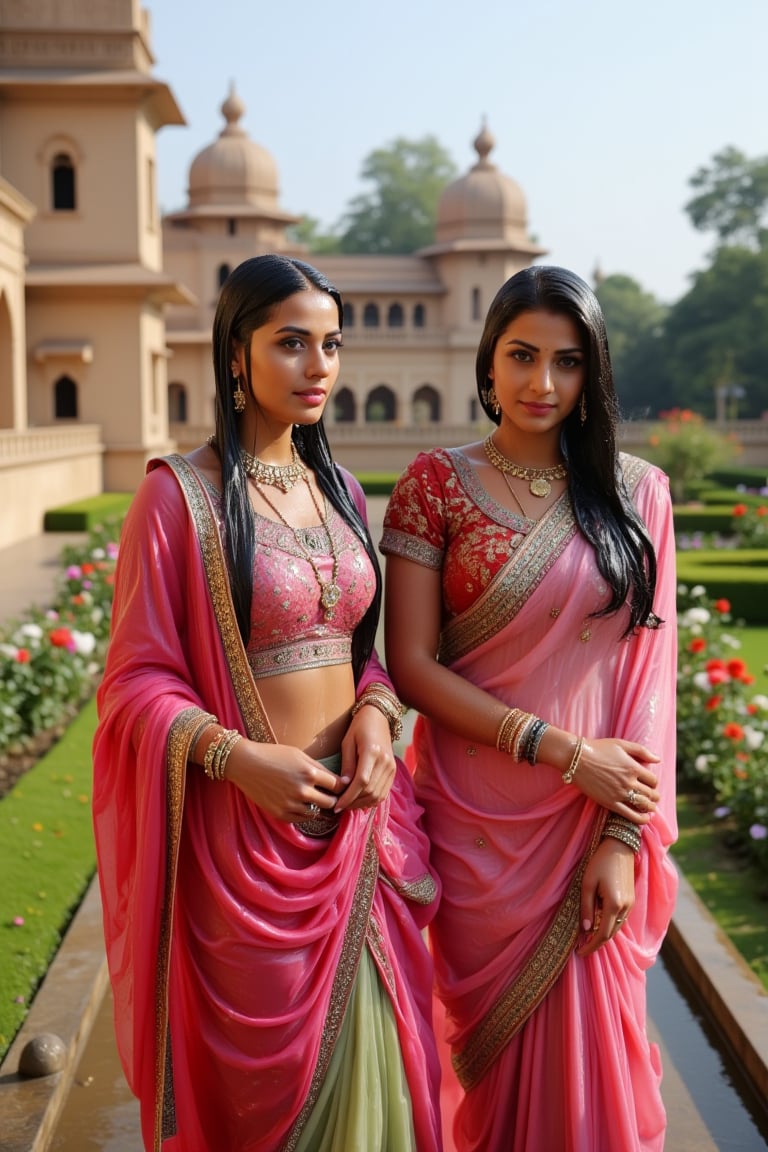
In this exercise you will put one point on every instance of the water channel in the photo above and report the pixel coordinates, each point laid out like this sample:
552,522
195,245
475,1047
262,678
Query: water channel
709,1108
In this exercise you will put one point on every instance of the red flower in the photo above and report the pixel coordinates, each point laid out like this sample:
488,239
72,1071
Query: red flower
87,569
717,676
740,510
722,606
713,703
22,656
77,600
61,638
733,730
762,510
737,669
698,644
752,709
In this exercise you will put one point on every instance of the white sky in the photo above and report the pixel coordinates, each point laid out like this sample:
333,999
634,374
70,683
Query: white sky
601,109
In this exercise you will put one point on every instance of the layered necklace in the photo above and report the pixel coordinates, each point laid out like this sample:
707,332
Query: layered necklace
330,592
282,476
538,478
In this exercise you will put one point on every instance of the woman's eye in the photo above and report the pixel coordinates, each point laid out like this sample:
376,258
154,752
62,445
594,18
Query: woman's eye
292,342
334,344
570,362
521,356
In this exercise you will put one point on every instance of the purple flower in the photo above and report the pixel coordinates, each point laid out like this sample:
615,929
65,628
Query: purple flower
74,572
758,832
722,812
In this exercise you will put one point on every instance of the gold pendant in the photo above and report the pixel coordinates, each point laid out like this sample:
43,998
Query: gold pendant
329,598
540,487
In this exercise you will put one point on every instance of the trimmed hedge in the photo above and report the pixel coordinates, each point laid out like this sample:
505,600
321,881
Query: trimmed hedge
732,477
84,515
712,518
739,576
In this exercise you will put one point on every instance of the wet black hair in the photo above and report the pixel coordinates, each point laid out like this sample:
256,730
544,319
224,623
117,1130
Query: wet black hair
601,503
247,299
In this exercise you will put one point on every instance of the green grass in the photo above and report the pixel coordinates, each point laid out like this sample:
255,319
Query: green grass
47,860
735,894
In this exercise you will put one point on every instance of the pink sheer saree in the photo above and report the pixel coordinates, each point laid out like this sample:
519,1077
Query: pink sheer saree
234,940
550,1048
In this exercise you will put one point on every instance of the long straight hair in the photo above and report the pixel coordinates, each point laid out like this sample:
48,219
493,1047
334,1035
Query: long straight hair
247,300
601,503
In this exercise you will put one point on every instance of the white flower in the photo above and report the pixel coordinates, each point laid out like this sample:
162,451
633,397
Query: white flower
729,641
694,616
701,763
98,554
701,680
753,738
85,642
9,650
30,631
697,591
760,701
682,589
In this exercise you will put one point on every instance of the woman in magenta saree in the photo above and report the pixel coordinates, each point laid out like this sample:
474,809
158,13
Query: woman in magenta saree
555,899
263,915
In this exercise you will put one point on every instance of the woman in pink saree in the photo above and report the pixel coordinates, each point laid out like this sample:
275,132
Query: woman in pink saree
264,875
530,618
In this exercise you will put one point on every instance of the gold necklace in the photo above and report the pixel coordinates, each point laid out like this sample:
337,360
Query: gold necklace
539,478
282,476
330,592
514,495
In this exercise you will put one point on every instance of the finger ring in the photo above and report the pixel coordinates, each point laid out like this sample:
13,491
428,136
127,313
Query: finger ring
313,810
632,797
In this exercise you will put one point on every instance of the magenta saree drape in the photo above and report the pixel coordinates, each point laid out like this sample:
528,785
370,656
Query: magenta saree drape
233,939
551,1048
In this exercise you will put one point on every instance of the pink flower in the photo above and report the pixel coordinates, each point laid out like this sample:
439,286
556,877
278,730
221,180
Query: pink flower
18,921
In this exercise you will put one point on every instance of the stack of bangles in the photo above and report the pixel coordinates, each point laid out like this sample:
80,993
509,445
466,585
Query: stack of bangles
217,752
519,735
381,697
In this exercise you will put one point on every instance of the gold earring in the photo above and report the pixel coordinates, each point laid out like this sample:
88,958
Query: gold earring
238,399
493,402
583,409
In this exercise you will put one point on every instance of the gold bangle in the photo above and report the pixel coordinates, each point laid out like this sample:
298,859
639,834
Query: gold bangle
506,728
379,696
570,771
619,828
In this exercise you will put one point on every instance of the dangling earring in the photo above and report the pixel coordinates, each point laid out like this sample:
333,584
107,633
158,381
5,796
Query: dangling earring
238,398
583,409
493,402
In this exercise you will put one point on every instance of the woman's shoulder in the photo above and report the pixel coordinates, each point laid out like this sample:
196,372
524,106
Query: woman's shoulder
634,470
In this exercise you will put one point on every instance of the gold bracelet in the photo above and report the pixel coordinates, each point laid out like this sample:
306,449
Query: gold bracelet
379,696
570,771
619,828
508,720
222,753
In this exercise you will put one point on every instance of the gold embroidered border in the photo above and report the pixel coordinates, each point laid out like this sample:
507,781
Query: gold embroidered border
421,891
182,732
375,941
512,586
354,939
521,998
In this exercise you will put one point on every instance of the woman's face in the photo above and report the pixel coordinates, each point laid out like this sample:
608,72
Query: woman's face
294,360
538,370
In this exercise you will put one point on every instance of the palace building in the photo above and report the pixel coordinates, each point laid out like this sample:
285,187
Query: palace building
106,308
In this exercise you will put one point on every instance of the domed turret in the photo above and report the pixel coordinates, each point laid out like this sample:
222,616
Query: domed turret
234,170
484,204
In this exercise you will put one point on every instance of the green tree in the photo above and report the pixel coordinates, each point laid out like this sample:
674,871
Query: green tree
716,336
732,198
635,322
308,232
398,214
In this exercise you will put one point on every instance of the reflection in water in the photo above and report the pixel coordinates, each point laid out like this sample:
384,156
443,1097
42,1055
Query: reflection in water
102,1115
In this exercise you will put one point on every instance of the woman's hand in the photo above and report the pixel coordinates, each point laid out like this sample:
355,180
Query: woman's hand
617,775
367,760
282,780
607,893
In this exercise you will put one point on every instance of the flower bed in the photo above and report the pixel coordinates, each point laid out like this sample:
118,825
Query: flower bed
50,661
722,724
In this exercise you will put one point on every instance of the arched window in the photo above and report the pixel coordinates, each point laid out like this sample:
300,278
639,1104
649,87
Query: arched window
419,316
344,406
381,405
395,316
371,316
426,405
63,183
65,399
476,305
349,315
177,403
223,273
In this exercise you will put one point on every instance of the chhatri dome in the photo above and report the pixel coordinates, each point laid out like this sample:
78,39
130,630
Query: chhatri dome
484,205
234,169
